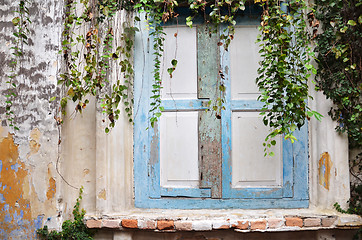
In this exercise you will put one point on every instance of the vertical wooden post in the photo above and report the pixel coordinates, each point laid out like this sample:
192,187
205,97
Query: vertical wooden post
209,125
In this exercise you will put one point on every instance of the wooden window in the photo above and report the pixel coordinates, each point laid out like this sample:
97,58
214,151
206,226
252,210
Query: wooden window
195,159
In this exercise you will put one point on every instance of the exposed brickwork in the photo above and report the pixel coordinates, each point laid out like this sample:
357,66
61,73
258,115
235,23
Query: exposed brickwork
242,225
258,225
222,224
312,222
246,225
147,224
293,222
94,223
129,223
275,223
328,222
114,224
183,226
165,225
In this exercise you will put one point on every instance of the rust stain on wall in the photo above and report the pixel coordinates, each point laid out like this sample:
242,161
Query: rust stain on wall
34,142
102,194
14,207
52,188
86,172
21,213
324,170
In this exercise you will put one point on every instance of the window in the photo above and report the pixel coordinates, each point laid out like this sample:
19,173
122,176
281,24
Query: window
195,159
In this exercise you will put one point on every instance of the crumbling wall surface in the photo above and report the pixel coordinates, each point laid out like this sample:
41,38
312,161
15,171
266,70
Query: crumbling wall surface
229,235
28,178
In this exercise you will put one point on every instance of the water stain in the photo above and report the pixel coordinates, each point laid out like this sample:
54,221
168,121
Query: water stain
324,170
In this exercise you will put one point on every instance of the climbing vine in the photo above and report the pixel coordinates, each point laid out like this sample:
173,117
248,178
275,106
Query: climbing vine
89,50
283,74
339,63
89,57
20,22
285,68
339,47
71,229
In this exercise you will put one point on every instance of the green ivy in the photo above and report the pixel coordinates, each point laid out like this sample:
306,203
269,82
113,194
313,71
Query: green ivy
20,22
88,57
339,47
339,62
71,229
285,69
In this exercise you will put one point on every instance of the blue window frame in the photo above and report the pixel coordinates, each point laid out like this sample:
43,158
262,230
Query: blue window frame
218,191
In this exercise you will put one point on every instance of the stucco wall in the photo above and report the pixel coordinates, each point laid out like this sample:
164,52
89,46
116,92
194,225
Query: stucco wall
32,193
28,181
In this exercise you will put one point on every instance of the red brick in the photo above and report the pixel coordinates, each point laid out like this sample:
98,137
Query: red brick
94,223
312,222
165,225
293,222
111,223
275,223
259,224
129,223
328,222
242,225
223,227
221,224
183,226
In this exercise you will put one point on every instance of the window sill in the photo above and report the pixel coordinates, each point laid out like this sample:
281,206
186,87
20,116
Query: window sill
275,220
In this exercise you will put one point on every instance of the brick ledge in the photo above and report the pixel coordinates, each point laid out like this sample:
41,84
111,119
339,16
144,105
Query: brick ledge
279,223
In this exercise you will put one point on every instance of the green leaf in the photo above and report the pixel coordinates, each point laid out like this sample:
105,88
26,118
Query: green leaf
351,22
16,21
344,29
174,62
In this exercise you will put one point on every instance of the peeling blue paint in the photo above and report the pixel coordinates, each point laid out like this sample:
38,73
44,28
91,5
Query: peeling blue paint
15,167
7,218
293,193
6,208
2,234
2,199
18,218
38,222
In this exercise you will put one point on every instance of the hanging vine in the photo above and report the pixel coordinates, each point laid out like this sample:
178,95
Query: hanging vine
89,49
20,22
283,75
285,68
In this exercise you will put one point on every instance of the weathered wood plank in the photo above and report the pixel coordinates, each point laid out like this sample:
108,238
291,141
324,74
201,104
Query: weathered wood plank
208,66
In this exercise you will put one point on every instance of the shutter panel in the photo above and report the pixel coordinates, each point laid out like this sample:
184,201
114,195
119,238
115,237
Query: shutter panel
179,130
